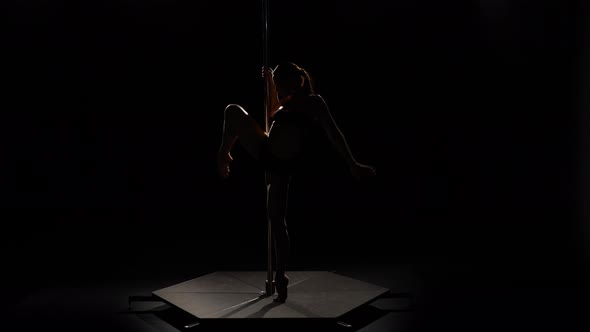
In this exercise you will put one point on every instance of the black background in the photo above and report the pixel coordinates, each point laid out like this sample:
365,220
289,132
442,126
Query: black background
112,114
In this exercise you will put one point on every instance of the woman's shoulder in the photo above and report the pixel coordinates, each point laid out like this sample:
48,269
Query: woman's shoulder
315,96
314,106
316,100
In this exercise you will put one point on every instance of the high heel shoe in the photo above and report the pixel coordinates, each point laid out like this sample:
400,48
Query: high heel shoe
281,284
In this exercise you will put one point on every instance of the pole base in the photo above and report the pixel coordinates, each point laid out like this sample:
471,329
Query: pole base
236,294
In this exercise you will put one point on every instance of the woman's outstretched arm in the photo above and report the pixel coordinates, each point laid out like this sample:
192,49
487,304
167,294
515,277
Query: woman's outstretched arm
338,140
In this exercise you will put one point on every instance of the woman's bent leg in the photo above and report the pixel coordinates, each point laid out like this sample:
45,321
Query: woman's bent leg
241,127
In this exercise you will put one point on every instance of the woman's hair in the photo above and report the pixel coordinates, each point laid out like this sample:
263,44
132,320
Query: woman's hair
289,74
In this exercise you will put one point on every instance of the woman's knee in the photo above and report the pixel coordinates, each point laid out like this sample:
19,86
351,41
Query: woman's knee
276,214
234,111
279,228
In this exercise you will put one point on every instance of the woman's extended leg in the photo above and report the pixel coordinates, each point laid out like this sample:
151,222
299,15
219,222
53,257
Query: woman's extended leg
238,125
277,197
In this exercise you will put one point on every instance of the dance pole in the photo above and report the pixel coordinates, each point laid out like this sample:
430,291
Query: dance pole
265,12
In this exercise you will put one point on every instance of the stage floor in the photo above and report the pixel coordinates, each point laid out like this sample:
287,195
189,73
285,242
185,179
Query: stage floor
237,294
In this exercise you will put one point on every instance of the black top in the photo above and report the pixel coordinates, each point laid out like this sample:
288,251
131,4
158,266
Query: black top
298,113
298,118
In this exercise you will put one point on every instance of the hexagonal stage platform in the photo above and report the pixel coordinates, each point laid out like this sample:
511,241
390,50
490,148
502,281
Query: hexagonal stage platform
239,295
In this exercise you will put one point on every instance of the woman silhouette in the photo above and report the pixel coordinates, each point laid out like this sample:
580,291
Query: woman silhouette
294,110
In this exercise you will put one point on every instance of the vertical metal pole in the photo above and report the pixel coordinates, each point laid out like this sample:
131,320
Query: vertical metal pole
265,14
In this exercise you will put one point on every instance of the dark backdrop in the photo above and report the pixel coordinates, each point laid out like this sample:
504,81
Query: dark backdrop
112,114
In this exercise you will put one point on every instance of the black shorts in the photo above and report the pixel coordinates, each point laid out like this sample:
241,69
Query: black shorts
274,164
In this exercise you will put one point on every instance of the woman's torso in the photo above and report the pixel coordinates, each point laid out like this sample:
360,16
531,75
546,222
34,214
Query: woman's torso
291,127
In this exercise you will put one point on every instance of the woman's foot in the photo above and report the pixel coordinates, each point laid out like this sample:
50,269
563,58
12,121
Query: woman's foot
281,283
223,161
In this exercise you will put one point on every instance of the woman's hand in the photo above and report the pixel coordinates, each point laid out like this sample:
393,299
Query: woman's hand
360,171
267,72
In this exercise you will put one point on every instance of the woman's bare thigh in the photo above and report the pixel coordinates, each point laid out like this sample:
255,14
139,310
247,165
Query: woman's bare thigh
250,135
